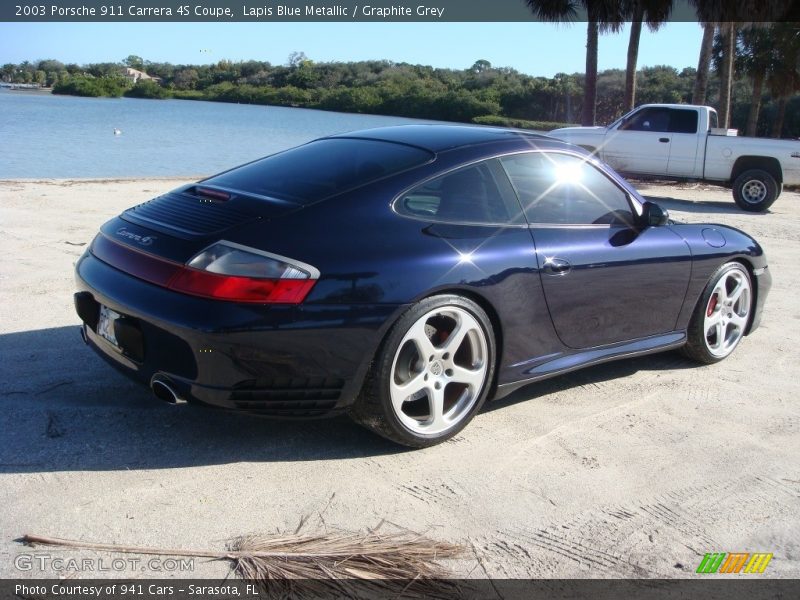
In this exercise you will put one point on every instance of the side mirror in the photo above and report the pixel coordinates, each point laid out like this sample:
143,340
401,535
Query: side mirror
653,215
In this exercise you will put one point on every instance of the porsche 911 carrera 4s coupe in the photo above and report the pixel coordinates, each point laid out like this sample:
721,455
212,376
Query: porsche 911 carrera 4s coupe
404,275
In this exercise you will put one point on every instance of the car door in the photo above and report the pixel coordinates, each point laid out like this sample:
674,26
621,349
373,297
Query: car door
683,142
605,278
641,143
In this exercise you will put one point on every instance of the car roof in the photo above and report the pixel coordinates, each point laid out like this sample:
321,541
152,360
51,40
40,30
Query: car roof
438,138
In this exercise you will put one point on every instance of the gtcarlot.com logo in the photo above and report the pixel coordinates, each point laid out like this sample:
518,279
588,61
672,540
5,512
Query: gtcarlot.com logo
57,564
734,562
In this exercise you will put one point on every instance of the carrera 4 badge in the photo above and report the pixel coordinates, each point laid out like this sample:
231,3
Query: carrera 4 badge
142,240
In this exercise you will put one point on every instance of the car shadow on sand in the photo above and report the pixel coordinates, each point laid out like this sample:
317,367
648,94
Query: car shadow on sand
700,206
597,374
65,409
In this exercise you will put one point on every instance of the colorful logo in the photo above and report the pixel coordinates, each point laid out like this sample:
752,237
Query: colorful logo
734,562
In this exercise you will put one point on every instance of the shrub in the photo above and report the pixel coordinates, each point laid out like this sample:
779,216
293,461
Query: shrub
147,89
500,121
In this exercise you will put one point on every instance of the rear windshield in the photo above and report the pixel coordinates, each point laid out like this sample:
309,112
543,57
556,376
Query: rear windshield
321,169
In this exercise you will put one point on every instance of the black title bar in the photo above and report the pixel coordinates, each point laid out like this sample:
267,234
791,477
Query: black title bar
331,11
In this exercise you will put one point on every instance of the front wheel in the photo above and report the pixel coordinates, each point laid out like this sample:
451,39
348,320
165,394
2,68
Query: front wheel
432,374
755,190
721,316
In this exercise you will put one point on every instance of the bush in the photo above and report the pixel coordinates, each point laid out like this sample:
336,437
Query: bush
499,121
147,89
189,94
353,100
86,85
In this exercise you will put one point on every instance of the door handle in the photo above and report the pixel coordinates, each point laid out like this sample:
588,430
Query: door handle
556,266
663,140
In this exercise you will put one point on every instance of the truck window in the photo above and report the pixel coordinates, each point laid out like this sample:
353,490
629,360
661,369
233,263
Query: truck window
712,119
649,119
682,121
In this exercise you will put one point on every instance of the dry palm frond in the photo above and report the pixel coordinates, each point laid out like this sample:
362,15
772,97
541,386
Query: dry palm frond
325,563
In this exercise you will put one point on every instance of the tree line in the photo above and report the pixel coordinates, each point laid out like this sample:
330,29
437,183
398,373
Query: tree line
730,28
481,93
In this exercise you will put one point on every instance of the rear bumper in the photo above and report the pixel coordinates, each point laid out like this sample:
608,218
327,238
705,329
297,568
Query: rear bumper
279,360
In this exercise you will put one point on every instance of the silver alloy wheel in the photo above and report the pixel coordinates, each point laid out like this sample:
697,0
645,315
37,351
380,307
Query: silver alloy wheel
439,370
754,191
727,312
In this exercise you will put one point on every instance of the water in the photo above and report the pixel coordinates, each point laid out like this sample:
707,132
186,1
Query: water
46,136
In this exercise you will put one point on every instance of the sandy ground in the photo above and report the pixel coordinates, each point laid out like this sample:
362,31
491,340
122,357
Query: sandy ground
633,469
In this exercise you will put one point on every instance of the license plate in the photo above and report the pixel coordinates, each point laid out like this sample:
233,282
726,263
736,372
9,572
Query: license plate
105,325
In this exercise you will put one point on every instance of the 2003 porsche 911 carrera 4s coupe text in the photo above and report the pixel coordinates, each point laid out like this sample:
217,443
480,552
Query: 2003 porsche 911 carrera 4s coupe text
404,275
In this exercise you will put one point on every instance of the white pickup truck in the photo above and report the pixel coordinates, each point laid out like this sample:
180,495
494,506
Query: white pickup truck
682,142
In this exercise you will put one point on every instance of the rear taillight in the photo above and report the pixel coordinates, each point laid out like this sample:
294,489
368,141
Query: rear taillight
224,271
229,271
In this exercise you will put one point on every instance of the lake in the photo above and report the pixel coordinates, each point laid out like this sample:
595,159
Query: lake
47,136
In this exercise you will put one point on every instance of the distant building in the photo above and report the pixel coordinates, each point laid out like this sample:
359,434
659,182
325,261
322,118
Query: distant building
135,76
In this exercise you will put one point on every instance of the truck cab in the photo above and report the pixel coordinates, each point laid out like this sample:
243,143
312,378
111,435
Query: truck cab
654,139
683,142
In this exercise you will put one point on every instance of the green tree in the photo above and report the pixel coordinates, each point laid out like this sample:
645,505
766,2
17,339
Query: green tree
186,79
755,60
50,65
601,16
296,58
784,75
654,13
134,62
728,16
147,88
703,64
8,71
480,66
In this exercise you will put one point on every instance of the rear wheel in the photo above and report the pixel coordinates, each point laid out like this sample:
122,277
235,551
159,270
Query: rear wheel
755,190
721,316
432,374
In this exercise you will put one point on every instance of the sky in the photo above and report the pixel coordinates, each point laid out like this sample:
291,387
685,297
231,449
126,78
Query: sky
532,48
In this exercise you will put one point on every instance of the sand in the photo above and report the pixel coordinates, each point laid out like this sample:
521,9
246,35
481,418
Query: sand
633,469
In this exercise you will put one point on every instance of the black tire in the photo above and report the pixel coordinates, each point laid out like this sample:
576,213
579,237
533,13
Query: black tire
697,345
755,190
374,408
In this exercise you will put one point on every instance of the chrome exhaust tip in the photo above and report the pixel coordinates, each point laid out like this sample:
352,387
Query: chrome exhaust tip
164,390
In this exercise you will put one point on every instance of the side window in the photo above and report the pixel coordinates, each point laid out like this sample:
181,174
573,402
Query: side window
477,194
682,121
565,189
712,119
649,119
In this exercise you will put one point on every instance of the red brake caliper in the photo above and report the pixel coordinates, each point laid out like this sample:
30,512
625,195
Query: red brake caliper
712,304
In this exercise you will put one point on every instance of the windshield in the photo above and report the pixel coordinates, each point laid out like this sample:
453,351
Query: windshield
622,118
321,169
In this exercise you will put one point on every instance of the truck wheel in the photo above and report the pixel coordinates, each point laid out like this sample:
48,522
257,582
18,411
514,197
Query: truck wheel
755,190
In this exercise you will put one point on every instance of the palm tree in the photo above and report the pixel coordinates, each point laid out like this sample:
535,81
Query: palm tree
601,16
703,64
728,33
784,76
755,60
727,15
654,13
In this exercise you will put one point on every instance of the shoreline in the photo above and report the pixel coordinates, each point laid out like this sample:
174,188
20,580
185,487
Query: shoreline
78,180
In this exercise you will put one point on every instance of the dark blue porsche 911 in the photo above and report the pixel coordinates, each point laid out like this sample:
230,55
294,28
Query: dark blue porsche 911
404,275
